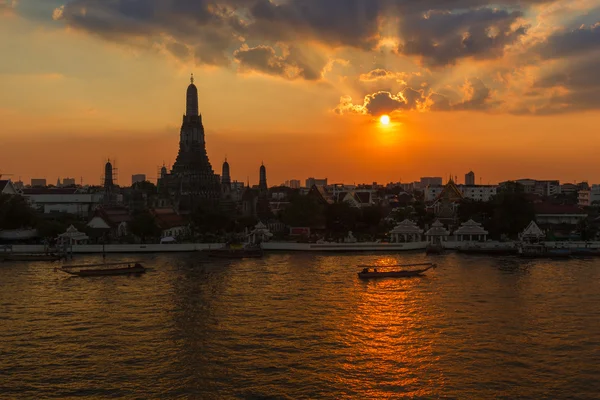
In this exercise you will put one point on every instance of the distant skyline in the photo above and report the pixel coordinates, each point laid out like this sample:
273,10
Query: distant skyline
506,89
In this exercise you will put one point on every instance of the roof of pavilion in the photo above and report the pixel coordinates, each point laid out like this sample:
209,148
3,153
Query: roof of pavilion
470,228
407,227
533,231
437,229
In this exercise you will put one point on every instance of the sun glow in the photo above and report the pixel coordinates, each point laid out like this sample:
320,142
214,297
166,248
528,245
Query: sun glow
385,120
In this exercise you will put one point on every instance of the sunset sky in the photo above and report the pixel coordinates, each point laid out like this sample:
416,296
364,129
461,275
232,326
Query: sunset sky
508,88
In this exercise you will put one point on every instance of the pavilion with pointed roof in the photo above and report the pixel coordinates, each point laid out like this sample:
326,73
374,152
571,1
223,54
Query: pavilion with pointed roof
72,237
406,231
532,233
259,234
437,233
470,231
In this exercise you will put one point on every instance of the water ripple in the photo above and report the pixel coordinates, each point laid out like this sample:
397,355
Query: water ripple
294,326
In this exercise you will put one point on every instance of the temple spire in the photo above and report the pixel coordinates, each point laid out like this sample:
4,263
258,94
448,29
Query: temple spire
192,99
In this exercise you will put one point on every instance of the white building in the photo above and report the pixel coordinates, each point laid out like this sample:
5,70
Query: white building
474,192
471,231
406,231
71,201
437,233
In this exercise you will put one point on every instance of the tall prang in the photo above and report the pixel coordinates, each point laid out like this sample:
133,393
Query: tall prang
262,182
192,181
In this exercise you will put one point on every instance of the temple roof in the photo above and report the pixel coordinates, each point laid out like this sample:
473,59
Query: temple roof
437,229
450,192
407,227
533,231
470,228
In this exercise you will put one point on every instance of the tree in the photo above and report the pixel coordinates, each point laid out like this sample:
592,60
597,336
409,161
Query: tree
206,219
303,211
370,217
144,225
15,212
341,218
145,187
512,212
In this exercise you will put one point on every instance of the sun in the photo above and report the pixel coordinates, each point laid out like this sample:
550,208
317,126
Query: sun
385,120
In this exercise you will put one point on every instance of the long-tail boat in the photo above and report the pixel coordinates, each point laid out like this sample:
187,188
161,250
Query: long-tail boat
120,268
371,272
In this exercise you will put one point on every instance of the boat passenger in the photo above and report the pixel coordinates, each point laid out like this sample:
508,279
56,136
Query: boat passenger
374,269
365,270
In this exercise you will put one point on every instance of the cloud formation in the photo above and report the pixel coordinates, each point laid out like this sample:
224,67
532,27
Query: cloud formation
471,95
443,37
464,48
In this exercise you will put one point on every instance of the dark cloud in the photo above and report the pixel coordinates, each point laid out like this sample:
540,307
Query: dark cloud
569,43
442,37
575,87
381,74
337,23
210,28
289,65
8,5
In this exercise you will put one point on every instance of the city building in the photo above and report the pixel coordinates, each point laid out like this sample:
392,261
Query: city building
594,194
38,182
294,184
68,182
109,222
79,202
584,198
476,192
138,178
569,188
171,224
470,179
310,182
541,188
430,181
552,214
192,181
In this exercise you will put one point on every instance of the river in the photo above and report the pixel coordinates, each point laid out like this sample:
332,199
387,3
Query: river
295,326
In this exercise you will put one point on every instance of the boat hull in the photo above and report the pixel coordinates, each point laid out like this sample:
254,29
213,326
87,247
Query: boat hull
107,272
396,274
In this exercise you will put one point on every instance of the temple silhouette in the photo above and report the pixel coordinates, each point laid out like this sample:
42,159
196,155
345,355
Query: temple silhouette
192,183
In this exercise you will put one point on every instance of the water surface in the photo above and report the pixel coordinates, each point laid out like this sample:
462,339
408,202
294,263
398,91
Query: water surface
293,326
